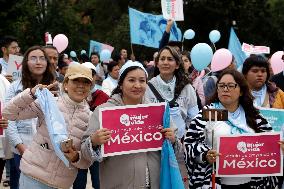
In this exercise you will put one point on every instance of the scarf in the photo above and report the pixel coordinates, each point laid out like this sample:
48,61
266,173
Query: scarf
236,119
259,96
166,88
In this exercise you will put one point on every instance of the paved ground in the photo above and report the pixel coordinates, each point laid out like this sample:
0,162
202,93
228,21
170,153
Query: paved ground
89,184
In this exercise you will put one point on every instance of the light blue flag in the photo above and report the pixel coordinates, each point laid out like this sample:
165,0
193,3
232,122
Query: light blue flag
235,48
170,177
98,47
55,122
147,29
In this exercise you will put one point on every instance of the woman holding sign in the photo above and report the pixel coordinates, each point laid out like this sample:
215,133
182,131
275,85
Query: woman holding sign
136,170
232,94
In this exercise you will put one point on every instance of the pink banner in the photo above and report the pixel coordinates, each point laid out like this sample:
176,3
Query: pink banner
251,49
249,155
134,128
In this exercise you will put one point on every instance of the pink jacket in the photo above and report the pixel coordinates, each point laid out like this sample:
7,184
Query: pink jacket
39,162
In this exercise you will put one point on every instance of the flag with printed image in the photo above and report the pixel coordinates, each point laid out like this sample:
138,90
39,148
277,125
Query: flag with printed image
147,29
98,47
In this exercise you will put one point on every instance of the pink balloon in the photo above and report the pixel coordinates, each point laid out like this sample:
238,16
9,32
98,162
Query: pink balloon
277,63
202,73
222,58
60,41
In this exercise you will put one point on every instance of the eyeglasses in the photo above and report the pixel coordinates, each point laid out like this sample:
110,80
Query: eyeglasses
16,48
229,86
35,59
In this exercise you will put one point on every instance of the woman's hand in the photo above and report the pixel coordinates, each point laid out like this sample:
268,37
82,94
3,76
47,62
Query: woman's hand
3,123
21,148
41,86
281,145
211,156
169,134
71,154
100,137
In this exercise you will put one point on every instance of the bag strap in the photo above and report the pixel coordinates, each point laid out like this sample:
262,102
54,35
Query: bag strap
156,93
172,103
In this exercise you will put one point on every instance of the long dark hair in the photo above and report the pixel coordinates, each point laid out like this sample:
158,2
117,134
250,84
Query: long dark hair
118,90
245,100
181,80
186,53
27,79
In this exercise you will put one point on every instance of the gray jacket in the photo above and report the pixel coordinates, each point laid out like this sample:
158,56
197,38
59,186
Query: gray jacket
124,171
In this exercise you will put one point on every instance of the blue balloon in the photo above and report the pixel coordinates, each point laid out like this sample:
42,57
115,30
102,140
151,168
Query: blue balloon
83,52
189,34
73,54
201,55
105,55
214,36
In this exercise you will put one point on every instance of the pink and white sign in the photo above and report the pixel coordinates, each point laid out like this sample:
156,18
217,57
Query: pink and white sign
15,66
249,155
172,9
135,128
251,49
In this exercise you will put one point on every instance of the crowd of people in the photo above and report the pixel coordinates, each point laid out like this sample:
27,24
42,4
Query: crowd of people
81,87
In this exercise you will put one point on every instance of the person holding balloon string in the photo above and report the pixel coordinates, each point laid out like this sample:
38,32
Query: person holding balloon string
232,94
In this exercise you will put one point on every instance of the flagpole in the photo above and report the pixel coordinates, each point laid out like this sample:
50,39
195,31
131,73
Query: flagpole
132,52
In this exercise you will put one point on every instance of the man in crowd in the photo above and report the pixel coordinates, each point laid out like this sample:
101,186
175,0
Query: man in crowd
9,45
53,55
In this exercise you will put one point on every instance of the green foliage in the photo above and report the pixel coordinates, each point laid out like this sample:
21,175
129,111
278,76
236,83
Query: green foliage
259,22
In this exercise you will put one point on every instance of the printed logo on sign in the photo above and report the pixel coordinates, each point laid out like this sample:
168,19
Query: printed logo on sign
124,119
132,119
242,147
249,147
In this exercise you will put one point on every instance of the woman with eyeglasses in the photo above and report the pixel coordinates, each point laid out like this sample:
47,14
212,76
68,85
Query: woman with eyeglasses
232,94
35,69
41,166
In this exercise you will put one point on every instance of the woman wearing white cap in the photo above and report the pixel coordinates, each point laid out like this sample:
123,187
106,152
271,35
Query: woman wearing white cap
40,167
139,170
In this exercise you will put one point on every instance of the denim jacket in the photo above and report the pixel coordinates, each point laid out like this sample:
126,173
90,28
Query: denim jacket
20,131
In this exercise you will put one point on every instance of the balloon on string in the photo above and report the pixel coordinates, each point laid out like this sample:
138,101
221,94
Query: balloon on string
202,73
189,34
214,36
221,59
277,63
83,52
60,41
73,54
201,55
105,55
